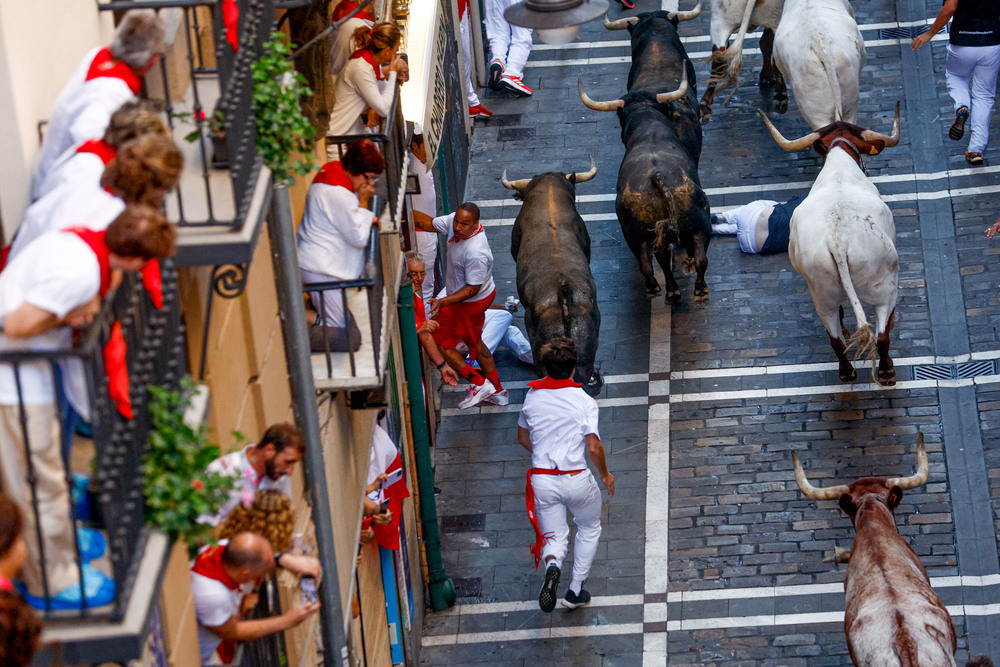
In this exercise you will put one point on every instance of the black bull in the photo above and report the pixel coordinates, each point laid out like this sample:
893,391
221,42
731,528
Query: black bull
660,203
551,247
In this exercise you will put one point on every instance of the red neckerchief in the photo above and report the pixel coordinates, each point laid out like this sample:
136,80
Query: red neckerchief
549,383
456,239
332,173
5,584
370,59
209,565
418,309
463,6
104,65
95,240
99,147
529,499
345,8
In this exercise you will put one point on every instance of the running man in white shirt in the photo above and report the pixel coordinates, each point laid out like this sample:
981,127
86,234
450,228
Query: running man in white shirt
558,424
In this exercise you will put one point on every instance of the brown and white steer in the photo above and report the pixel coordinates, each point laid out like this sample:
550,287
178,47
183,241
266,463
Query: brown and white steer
842,240
892,616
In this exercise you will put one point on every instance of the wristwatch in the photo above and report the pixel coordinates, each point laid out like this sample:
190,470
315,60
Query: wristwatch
441,365
277,558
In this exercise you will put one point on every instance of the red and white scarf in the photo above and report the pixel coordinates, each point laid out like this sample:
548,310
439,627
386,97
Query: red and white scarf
104,65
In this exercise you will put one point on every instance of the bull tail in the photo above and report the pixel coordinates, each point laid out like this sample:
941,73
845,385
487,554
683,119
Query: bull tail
566,306
733,54
665,230
863,339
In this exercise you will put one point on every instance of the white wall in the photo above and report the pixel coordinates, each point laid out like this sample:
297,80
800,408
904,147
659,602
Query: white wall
41,43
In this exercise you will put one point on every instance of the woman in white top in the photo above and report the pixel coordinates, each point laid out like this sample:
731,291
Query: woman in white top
361,87
333,236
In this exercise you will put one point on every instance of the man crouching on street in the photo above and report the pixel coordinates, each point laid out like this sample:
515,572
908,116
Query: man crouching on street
557,424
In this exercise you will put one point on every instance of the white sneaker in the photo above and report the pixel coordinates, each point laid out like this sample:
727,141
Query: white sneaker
499,398
477,395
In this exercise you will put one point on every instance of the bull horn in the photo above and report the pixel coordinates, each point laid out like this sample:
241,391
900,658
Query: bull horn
584,176
514,185
677,94
892,140
814,492
687,16
597,106
620,24
918,478
790,146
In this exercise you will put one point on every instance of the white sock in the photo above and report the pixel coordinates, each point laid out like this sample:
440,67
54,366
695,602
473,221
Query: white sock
575,586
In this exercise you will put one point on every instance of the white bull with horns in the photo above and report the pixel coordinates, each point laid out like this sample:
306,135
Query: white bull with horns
842,240
892,617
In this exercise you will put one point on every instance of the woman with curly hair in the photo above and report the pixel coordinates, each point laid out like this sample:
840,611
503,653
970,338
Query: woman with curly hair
270,516
20,628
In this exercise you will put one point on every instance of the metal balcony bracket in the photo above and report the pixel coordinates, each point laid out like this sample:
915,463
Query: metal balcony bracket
229,280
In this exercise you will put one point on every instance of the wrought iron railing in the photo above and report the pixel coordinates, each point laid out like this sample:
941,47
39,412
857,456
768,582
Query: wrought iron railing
393,143
365,361
269,651
215,108
155,355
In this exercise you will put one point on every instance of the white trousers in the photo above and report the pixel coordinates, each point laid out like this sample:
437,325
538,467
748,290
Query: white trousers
331,304
976,66
427,246
470,91
742,221
554,494
498,329
510,43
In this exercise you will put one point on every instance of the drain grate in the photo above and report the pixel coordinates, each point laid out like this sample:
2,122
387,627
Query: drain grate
469,587
463,523
516,134
902,33
966,369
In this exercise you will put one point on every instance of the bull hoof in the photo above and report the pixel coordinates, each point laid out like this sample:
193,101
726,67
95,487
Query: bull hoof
706,114
848,374
673,297
887,377
701,297
687,265
781,106
652,290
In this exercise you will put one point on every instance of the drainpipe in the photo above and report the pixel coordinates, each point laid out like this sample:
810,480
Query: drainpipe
281,231
441,587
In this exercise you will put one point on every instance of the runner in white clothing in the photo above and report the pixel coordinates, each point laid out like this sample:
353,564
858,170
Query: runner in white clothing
509,46
558,424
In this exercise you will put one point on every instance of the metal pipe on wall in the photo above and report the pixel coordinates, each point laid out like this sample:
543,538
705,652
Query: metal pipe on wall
281,231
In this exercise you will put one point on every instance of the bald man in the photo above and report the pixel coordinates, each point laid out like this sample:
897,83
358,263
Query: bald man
221,577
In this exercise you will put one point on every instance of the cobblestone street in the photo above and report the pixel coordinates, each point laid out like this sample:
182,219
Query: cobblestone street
709,554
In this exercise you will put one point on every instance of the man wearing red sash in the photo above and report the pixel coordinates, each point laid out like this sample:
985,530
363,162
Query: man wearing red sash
462,313
221,577
104,80
558,423
55,281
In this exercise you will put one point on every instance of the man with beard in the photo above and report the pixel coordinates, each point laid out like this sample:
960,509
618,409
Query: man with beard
266,465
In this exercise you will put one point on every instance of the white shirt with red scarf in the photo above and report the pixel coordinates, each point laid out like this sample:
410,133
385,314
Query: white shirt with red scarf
358,88
217,598
559,415
470,261
98,87
335,229
82,167
91,207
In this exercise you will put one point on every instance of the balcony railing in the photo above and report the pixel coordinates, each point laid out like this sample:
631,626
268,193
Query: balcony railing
362,365
204,86
155,355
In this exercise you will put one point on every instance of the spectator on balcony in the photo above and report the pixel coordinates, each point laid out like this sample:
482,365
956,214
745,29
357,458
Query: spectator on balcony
221,577
344,43
266,465
423,205
105,79
363,93
269,515
57,280
417,269
333,236
20,628
84,166
142,172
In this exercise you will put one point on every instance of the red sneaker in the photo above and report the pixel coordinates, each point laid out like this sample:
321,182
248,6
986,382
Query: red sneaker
514,85
479,111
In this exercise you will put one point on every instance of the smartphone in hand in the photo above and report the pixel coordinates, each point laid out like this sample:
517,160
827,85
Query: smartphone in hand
307,584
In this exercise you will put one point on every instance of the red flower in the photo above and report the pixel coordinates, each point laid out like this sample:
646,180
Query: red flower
197,484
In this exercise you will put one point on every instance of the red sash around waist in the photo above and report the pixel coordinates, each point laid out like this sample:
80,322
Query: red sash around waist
529,498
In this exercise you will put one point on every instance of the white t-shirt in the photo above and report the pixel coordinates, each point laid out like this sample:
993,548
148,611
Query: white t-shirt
214,604
356,89
74,170
57,273
71,206
470,261
81,112
559,421
334,232
237,465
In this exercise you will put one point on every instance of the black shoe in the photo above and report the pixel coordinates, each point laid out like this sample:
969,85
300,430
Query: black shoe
574,600
547,596
957,129
496,71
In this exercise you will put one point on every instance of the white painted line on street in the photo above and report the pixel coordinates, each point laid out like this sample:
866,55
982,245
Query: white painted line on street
697,55
523,384
516,407
532,634
705,38
532,605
